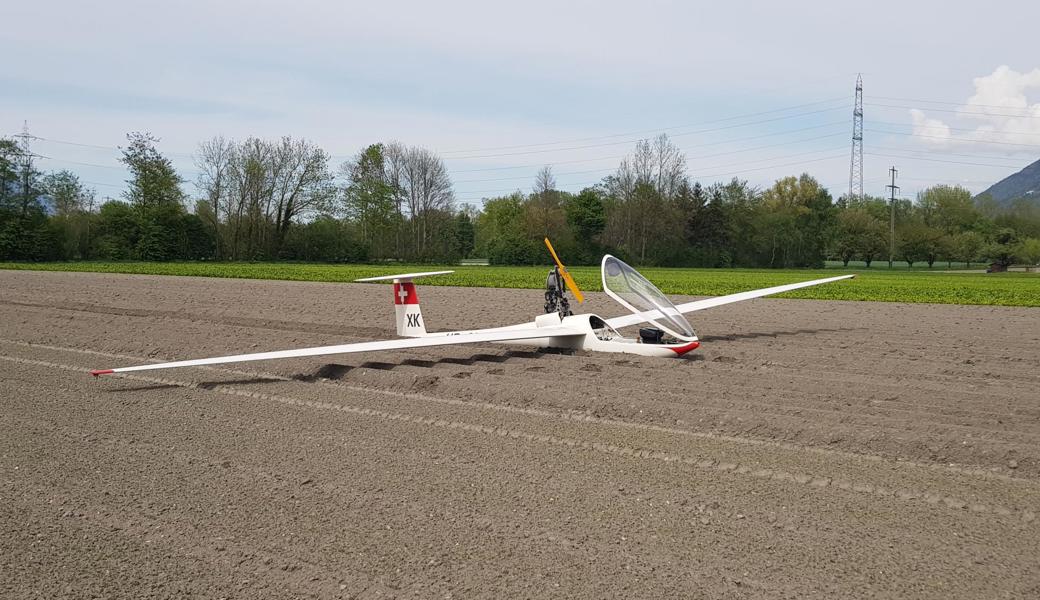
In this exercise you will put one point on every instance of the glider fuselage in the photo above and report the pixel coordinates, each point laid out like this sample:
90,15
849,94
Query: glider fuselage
598,337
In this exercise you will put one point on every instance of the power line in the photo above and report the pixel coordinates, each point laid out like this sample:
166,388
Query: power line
954,162
976,181
688,147
118,167
613,157
790,164
950,103
609,136
977,155
617,156
695,176
644,131
527,177
116,148
959,112
629,141
951,128
950,139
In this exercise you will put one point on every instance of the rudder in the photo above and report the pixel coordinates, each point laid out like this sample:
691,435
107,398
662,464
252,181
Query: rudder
407,310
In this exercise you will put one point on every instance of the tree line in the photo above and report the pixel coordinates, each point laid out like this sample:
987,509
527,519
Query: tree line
260,199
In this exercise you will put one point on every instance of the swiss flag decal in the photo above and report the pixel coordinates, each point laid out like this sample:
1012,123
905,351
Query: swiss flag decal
404,293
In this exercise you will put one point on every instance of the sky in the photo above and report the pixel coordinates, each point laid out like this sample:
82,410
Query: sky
752,90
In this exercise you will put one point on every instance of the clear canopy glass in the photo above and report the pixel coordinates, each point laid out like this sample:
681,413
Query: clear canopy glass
633,291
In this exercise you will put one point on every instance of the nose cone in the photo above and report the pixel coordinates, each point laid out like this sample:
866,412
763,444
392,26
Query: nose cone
680,350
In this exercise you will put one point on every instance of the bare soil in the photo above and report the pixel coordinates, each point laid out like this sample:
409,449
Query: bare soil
808,449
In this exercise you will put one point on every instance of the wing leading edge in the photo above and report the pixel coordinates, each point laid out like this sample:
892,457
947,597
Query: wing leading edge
636,318
399,344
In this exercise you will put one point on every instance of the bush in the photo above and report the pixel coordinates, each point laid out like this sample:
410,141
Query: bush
515,251
323,240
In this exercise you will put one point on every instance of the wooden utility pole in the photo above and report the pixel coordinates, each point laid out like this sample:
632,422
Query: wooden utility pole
892,217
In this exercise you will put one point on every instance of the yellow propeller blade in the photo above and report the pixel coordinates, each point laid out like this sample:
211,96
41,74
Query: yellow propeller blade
571,285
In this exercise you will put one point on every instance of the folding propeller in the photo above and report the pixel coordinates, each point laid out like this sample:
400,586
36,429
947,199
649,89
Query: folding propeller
573,287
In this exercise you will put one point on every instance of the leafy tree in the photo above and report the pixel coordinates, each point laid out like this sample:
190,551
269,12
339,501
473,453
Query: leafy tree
710,234
501,219
1022,215
1029,251
462,235
118,231
25,233
153,180
739,202
67,195
793,222
918,242
369,200
966,246
1003,247
949,208
9,153
852,224
586,218
71,203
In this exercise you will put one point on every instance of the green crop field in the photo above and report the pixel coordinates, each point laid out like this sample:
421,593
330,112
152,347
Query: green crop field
902,285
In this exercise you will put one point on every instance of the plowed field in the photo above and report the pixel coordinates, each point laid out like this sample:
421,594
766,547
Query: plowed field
807,449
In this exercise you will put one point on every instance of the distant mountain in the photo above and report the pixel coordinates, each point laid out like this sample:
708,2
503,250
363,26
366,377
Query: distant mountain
1025,183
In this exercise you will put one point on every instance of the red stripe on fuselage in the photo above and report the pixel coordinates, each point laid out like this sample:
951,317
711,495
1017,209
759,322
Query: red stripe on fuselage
405,293
680,350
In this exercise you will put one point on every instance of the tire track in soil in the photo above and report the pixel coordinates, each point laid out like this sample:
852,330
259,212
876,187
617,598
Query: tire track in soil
945,445
366,333
229,556
296,574
560,414
813,483
783,408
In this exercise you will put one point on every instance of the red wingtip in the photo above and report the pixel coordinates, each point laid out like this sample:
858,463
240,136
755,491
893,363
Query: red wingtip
101,372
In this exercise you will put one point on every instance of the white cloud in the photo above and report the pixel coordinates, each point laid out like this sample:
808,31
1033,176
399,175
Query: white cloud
932,131
999,116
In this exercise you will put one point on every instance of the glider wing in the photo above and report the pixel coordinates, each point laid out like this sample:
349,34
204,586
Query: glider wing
399,344
642,317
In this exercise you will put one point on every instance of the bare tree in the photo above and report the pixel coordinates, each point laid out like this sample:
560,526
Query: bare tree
251,189
544,210
302,184
659,163
644,193
258,188
396,156
544,181
422,185
214,161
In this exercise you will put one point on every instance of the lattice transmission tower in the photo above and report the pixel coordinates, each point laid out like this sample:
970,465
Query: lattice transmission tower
856,166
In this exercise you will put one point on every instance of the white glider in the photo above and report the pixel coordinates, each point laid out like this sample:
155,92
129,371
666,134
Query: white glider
670,333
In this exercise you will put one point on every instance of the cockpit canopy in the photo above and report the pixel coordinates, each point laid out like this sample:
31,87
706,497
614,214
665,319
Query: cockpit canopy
633,291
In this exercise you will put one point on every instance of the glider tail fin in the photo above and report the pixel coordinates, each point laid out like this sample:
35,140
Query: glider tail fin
407,312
